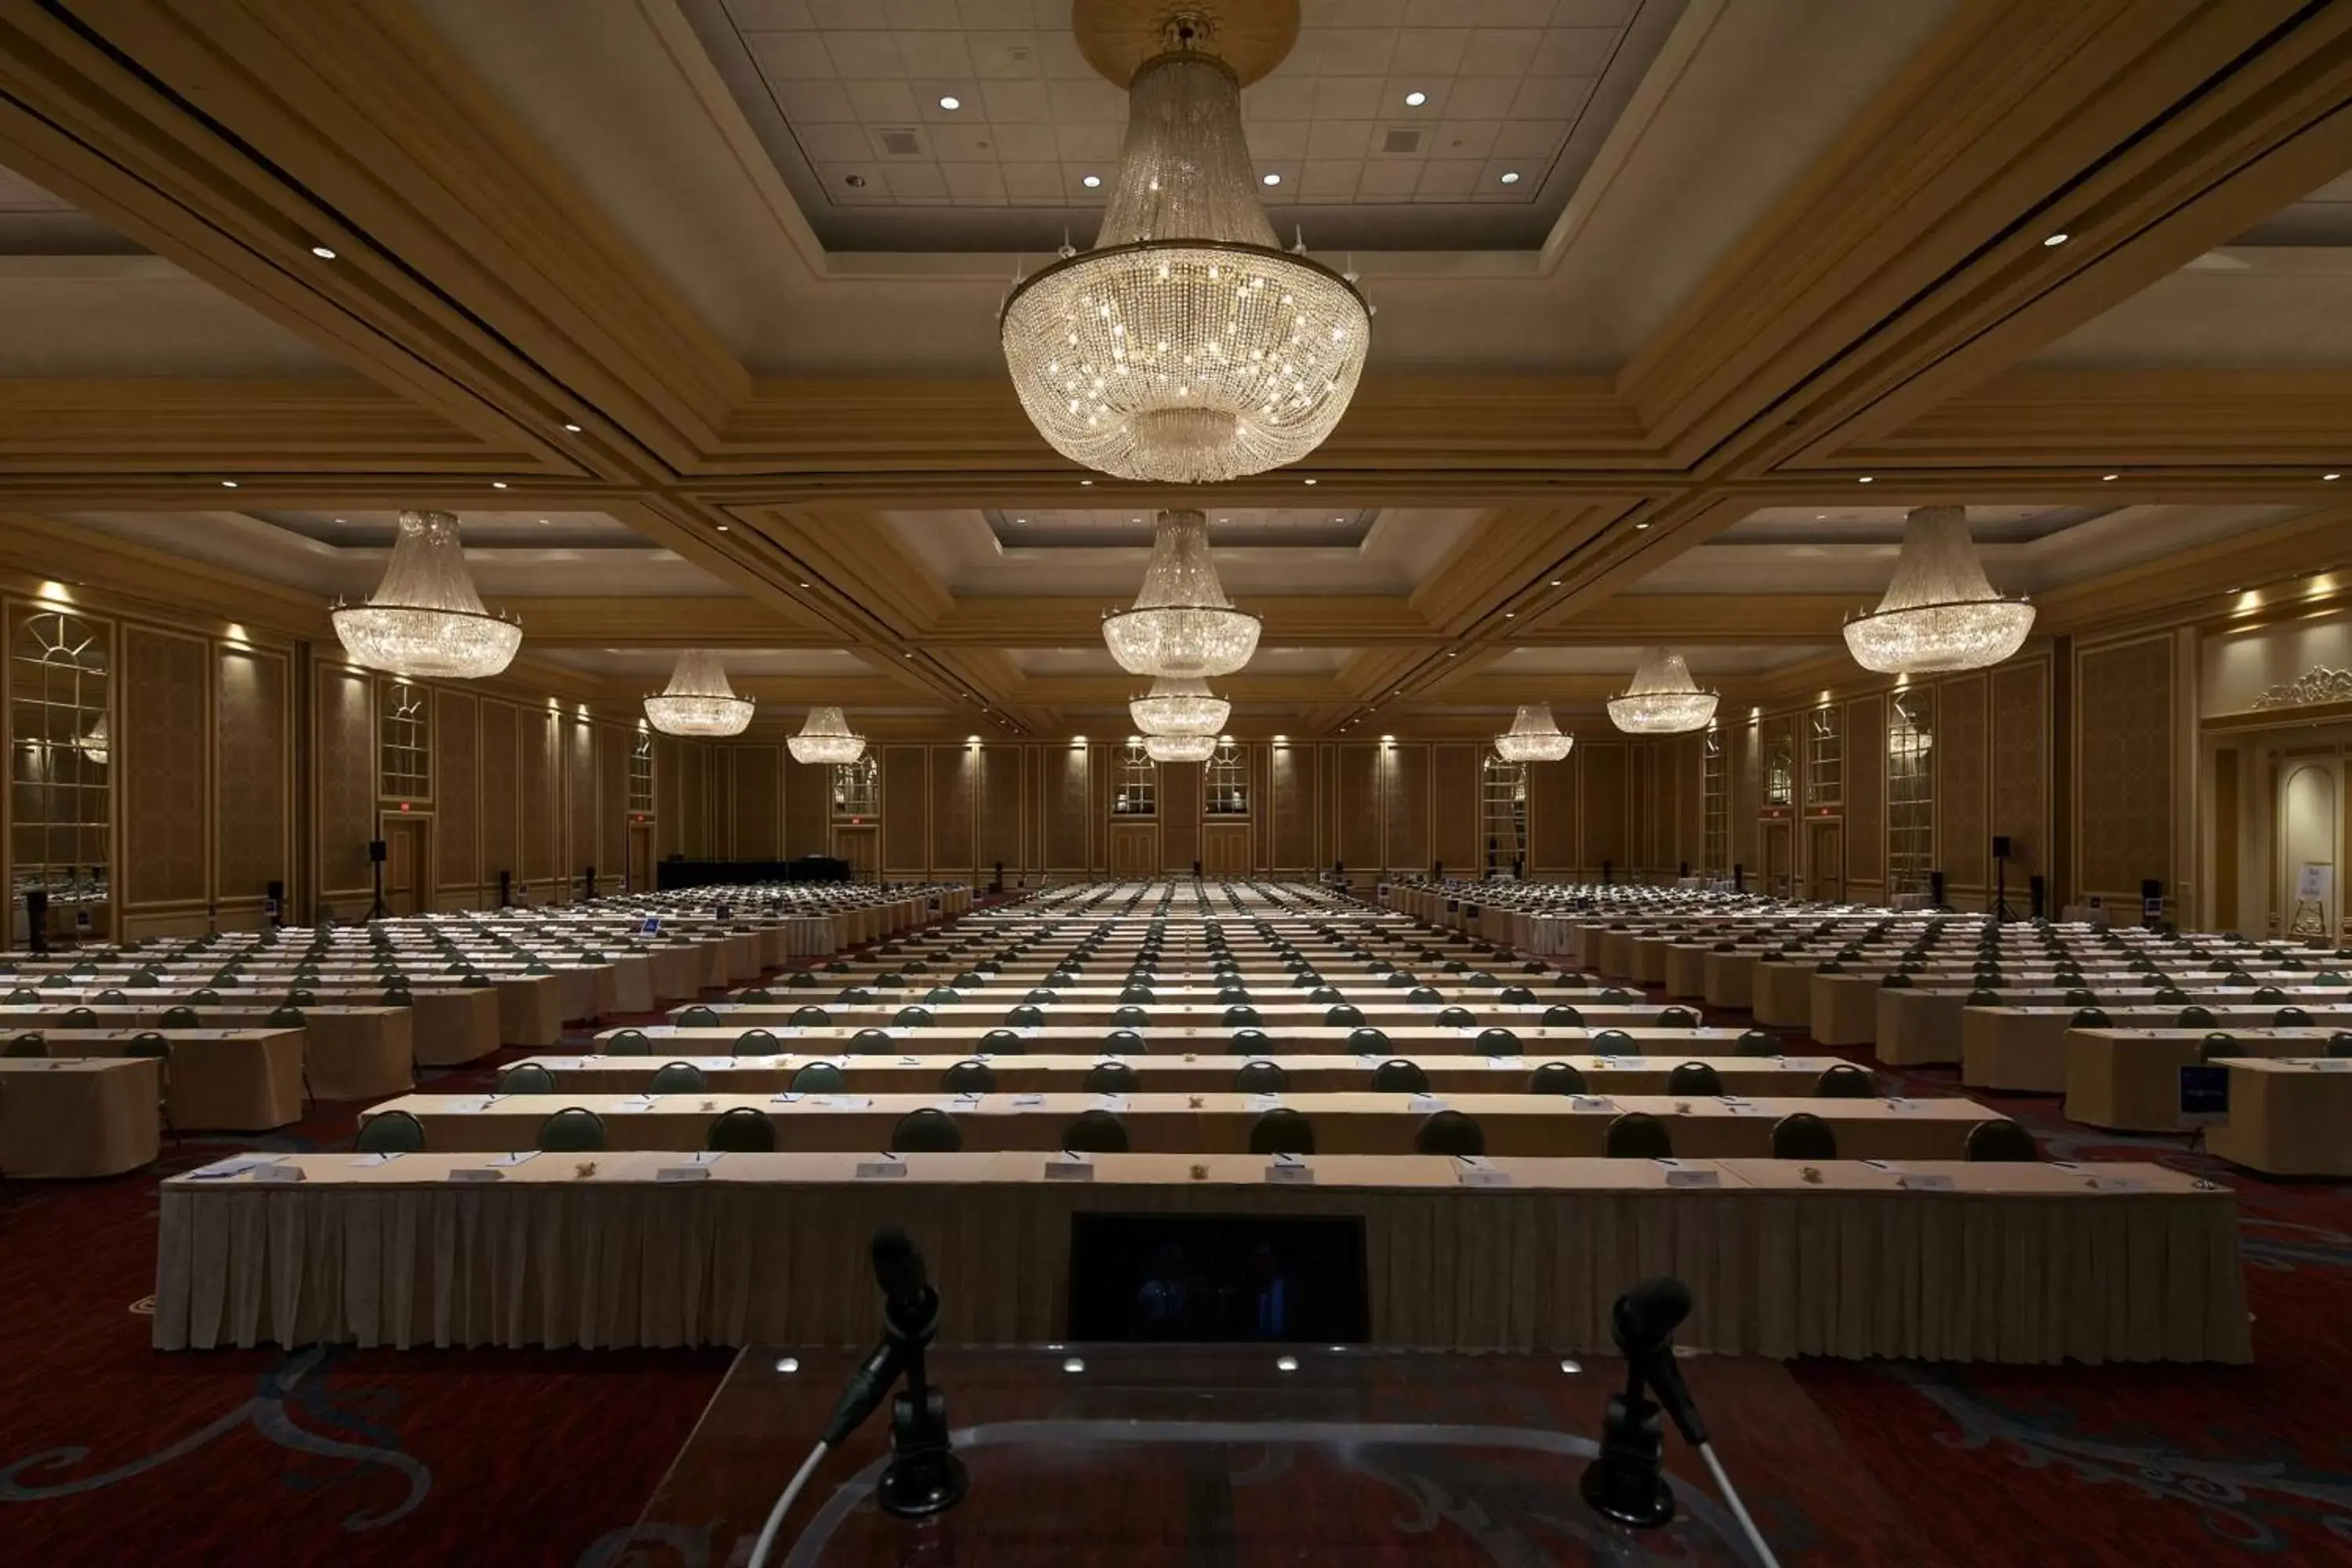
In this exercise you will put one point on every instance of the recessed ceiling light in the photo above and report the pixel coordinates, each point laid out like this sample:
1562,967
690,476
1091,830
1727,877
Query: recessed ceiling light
855,182
1091,182
805,584
1863,480
229,484
2331,476
1415,100
722,527
498,484
1510,614
2106,477
951,101
1556,582
324,253
2061,238
1511,177
570,426
1307,482
1271,179
1085,481
543,522
1640,527
1450,654
906,656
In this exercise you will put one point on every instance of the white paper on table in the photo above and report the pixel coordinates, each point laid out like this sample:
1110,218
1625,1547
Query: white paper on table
1477,1171
520,1157
843,1101
1425,1103
471,1107
1681,1176
1289,1168
1505,1064
367,1161
790,1096
1264,1101
1592,1102
697,1168
1070,1165
1113,1103
880,1170
1028,1101
235,1165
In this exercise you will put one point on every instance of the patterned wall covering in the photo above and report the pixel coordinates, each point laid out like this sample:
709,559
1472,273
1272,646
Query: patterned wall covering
501,789
1293,775
1551,813
955,788
457,795
165,706
669,798
346,778
1963,766
542,794
2123,778
1866,795
1064,805
1359,777
2021,752
251,799
759,773
1180,815
1454,788
611,842
905,806
1408,806
808,810
1747,782
694,835
1605,770
1000,809
580,801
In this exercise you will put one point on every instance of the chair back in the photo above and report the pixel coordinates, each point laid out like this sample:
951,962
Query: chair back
390,1132
2290,1019
1801,1135
1342,1015
968,1077
2339,1044
1845,1080
1003,1042
526,1078
181,1018
698,1017
1560,1015
808,1016
1096,1131
819,1078
31,1043
1112,1077
1677,1018
1128,1043
1613,1043
1400,1077
1695,1077
1129,1017
1637,1135
1240,1015
741,1131
1282,1130
148,1043
2193,1017
2001,1140
927,1131
870,1041
1450,1132
78,1018
571,1130
630,1043
1757,1043
2217,1045
678,1078
1558,1077
1261,1078
914,1015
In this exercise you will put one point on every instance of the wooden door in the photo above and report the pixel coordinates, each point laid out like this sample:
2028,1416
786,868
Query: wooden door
862,847
1225,852
407,873
1134,853
1777,844
1826,860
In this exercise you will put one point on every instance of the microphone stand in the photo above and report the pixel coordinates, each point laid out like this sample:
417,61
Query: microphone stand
924,1477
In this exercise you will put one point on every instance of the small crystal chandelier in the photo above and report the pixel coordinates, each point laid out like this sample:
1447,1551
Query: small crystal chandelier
698,700
1181,624
1180,707
1186,347
1534,737
1179,748
1939,613
1662,700
424,620
95,745
824,737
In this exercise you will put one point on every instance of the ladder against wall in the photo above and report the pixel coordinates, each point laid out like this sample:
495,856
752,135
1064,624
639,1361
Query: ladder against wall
1503,814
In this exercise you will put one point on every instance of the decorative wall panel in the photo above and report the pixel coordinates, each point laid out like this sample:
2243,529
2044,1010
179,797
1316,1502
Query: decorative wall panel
759,773
346,778
579,803
2123,783
906,810
542,798
1455,826
164,705
2020,760
252,809
1605,803
1360,811
611,849
457,787
694,835
955,790
808,808
1000,810
1963,768
1180,816
501,789
1551,814
1408,806
1292,773
1067,842
1866,795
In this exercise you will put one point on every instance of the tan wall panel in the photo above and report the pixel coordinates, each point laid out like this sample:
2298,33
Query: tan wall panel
1292,785
253,813
759,773
1551,813
955,802
906,810
457,792
1865,792
346,778
1963,772
610,855
1408,807
2123,782
501,789
1607,772
1180,816
669,798
579,802
1065,807
1455,827
1001,796
1358,806
164,702
2020,735
543,799
693,800
808,808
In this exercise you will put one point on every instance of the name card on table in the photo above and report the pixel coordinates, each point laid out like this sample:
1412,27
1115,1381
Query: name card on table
236,1165
1681,1176
887,1168
1924,1181
1507,1064
1071,1166
1425,1103
1264,1102
1290,1169
1477,1171
1111,1102
369,1162
1027,1101
1592,1102
696,1169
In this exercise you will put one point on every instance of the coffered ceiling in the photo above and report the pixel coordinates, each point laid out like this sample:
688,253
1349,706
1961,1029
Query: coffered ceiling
610,274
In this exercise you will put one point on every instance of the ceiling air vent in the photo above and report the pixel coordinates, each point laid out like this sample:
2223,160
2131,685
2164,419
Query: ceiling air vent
1406,139
901,144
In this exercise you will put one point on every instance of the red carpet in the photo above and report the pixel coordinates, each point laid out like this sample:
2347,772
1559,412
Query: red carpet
111,1452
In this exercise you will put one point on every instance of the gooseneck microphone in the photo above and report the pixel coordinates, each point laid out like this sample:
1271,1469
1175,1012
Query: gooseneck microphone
1627,1483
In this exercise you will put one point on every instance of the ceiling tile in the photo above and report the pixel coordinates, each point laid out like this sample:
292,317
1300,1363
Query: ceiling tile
1097,145
1016,102
837,178
1594,13
1389,178
929,92
1530,139
910,14
789,56
1281,139
1025,144
1357,51
843,15
1057,52
1279,96
1433,90
1447,179
1348,98
814,103
1465,138
834,143
1574,51
935,55
1000,56
1005,14
1551,98
975,183
1514,13
1436,50
1033,182
1440,12
1501,51
1094,99
915,178
1339,139
769,16
1329,178
1482,98
973,143
1352,12
881,100
860,56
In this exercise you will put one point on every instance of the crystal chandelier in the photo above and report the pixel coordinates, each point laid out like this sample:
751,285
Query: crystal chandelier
1939,613
824,737
698,700
95,745
1180,707
1534,737
1181,624
1179,748
1186,347
1662,700
425,618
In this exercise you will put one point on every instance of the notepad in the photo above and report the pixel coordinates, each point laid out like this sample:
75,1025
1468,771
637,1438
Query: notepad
1070,1166
1289,1168
1425,1103
880,1170
236,1165
697,1168
1685,1176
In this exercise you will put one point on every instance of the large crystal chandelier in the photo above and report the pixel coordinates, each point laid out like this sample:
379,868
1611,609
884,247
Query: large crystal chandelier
824,737
1939,613
425,618
1181,624
1186,347
1663,699
1179,748
698,700
1534,737
1180,707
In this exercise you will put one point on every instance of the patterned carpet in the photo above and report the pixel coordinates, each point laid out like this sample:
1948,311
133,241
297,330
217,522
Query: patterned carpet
111,1452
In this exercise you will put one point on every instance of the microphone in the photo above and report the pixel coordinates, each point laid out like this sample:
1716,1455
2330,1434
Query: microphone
909,1310
1643,1324
899,1271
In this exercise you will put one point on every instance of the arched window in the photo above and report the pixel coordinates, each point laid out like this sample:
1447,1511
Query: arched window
408,750
641,773
61,765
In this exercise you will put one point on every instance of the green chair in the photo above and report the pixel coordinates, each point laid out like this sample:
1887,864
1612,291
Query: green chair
927,1131
2193,1017
1239,1016
757,1043
1365,1040
1695,1077
1130,1016
2088,1018
870,1041
301,997
1558,1077
2339,1044
1497,1041
1002,1043
1618,993
1614,1043
78,1018
1128,1043
1757,1043
288,1016
1456,1018
2217,1045
698,1017
1844,1081
1400,1077
31,1043
204,996
1112,1077
678,1078
1096,1131
1282,1130
390,1132
741,1131
819,1078
1342,1015
809,1017
1260,1078
630,1043
571,1130
112,996
1637,1135
1450,1132
526,1078
1677,1018
181,1018
2290,1019
1560,1015
1801,1135
968,1077
2004,1140
1027,1015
